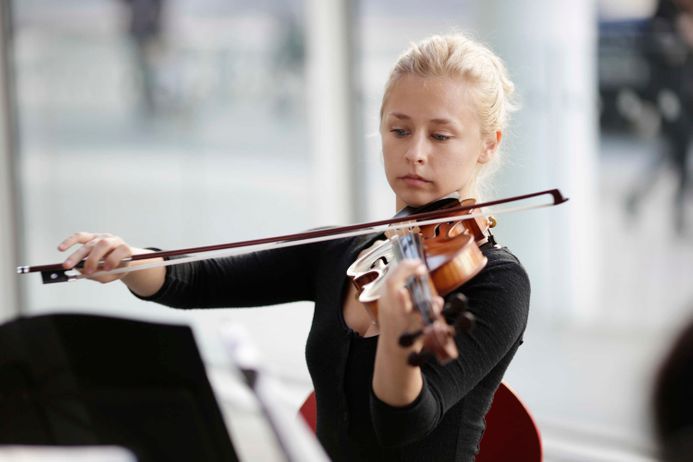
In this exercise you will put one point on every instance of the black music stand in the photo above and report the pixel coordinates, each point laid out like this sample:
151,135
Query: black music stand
69,379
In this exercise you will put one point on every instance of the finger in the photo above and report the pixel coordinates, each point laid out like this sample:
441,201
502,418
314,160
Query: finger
438,303
100,248
404,270
409,315
115,258
404,299
77,256
76,238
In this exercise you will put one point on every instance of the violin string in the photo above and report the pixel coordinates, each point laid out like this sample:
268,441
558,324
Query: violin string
410,246
283,244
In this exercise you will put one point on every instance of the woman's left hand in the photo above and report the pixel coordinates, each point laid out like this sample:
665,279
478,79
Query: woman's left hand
395,382
396,313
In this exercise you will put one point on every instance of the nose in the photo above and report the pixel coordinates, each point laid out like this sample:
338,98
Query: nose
417,149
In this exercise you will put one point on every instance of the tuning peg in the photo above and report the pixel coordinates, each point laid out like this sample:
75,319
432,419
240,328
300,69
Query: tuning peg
417,359
455,306
407,339
456,313
465,322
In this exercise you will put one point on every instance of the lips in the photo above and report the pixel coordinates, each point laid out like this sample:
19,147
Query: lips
414,178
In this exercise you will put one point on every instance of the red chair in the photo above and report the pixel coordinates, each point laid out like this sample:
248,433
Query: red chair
309,412
511,433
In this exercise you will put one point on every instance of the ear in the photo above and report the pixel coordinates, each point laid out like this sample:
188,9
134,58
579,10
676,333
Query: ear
490,146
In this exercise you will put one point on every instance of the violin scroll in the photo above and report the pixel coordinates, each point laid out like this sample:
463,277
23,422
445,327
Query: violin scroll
456,313
457,317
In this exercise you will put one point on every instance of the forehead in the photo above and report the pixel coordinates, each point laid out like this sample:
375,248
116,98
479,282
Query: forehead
428,98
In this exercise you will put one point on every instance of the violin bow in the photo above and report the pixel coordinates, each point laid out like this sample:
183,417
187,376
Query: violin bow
56,272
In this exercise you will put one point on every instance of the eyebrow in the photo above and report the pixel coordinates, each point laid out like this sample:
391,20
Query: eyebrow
401,116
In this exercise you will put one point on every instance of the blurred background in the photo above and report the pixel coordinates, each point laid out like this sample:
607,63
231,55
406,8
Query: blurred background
177,123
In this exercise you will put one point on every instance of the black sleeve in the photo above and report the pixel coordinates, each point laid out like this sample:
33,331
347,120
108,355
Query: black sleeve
499,299
255,279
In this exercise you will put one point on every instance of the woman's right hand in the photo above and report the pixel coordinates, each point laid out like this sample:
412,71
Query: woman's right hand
95,248
111,250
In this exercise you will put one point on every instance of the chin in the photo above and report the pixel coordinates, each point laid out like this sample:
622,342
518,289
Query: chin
415,197
417,200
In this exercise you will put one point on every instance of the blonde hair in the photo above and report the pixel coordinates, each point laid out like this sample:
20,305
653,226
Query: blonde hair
455,55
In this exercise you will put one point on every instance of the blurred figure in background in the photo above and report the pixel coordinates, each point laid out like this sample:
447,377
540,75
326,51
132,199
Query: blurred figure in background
673,401
144,22
289,59
668,48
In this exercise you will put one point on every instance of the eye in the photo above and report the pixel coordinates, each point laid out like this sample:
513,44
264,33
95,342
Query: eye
399,132
440,137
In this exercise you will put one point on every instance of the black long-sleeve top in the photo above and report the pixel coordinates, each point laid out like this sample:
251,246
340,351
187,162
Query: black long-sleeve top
446,421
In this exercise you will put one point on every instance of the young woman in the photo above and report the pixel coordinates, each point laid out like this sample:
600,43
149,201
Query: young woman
444,109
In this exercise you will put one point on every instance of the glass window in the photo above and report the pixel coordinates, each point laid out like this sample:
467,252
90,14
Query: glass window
170,123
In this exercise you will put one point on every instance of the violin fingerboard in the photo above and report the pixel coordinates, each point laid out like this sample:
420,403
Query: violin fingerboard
410,246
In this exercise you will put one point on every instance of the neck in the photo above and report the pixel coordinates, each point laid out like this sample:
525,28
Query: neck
404,209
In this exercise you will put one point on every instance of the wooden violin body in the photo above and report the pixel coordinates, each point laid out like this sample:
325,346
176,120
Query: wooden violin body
452,256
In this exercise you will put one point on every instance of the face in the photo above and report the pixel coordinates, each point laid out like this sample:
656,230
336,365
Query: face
431,139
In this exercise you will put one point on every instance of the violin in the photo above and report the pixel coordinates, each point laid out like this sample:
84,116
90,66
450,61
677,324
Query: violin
444,235
452,256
